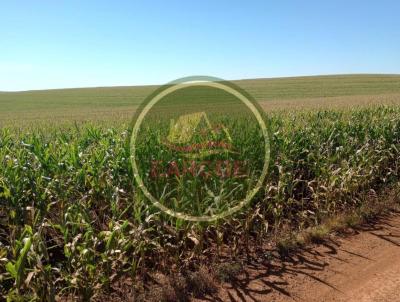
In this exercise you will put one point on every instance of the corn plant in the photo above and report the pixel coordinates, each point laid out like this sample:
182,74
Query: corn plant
73,222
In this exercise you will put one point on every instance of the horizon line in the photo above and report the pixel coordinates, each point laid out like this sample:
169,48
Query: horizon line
231,80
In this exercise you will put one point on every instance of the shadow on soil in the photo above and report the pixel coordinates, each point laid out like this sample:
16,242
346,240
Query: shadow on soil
269,272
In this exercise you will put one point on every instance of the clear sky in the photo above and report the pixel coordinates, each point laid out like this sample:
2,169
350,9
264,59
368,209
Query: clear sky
55,44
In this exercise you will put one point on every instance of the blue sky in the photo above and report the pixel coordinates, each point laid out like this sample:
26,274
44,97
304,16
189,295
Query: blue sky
55,44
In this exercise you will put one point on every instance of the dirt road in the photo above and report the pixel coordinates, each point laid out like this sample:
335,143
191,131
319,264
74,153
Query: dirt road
364,266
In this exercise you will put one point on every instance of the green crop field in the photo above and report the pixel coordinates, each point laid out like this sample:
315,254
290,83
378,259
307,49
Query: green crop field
119,103
74,225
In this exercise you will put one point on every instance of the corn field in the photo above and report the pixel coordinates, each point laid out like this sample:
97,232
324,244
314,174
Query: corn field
73,223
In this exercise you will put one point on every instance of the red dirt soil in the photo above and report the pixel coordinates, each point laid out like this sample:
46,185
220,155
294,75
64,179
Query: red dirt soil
362,266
